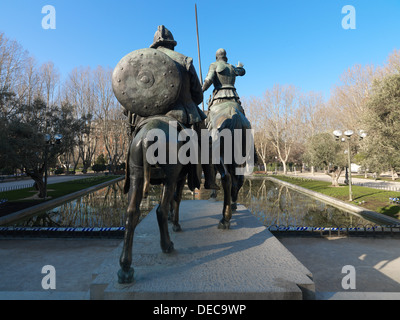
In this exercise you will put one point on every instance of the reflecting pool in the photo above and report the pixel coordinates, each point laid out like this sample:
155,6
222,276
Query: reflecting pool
272,203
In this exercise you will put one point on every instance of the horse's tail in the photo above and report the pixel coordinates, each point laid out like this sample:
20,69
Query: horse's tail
127,184
146,172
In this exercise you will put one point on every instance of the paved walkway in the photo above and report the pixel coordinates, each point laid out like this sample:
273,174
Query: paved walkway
74,260
378,184
376,261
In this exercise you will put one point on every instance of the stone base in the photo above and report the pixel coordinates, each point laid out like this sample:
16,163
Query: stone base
246,262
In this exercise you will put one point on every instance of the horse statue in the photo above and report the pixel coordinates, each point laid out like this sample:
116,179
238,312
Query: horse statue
226,114
142,175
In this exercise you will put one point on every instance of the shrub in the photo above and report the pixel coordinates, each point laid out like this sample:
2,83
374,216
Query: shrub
59,171
98,168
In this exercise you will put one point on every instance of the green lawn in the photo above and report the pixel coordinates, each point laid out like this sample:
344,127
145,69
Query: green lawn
369,198
56,190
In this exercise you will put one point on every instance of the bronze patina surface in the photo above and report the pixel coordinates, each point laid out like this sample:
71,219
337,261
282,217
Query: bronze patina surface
147,82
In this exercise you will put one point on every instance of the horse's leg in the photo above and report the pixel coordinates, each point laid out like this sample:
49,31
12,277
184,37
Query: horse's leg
213,194
227,186
167,245
237,184
177,201
171,211
125,274
233,188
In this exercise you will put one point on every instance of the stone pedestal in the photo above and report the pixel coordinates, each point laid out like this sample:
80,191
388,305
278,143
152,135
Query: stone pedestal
246,262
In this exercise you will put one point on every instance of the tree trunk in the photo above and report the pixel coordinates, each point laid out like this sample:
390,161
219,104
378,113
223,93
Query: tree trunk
284,167
39,183
86,166
335,180
335,177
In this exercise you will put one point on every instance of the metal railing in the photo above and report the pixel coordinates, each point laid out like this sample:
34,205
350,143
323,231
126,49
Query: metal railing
16,187
4,190
59,232
359,230
378,186
118,232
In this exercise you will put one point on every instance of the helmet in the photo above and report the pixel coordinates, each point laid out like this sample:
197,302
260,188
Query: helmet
163,37
221,55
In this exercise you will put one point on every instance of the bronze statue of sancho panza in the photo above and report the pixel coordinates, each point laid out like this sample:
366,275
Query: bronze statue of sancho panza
185,109
160,81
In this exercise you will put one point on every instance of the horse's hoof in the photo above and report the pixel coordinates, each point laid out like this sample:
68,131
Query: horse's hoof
170,248
125,277
177,228
224,225
213,194
234,206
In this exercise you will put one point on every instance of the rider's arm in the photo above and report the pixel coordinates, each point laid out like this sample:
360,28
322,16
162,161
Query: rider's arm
210,78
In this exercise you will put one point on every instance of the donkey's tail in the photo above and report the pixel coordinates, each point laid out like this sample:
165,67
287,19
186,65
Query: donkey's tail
146,173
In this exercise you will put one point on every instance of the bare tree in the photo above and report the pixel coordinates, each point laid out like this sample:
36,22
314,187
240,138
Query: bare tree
314,118
393,63
12,62
258,119
110,119
275,118
49,82
27,89
349,97
12,58
281,111
80,92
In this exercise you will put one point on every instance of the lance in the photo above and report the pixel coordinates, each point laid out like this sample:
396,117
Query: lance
198,49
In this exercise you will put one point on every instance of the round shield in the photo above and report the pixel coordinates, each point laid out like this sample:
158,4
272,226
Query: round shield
147,82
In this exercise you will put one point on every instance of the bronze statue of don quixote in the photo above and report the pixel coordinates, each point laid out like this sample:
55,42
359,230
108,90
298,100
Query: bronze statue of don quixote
158,87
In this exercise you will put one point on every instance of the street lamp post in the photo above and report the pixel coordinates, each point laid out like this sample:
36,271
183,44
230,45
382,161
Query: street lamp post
349,133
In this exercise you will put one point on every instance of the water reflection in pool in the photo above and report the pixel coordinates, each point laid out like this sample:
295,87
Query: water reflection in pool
273,204
279,205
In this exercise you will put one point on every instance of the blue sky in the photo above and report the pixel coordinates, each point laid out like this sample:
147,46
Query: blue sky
286,42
